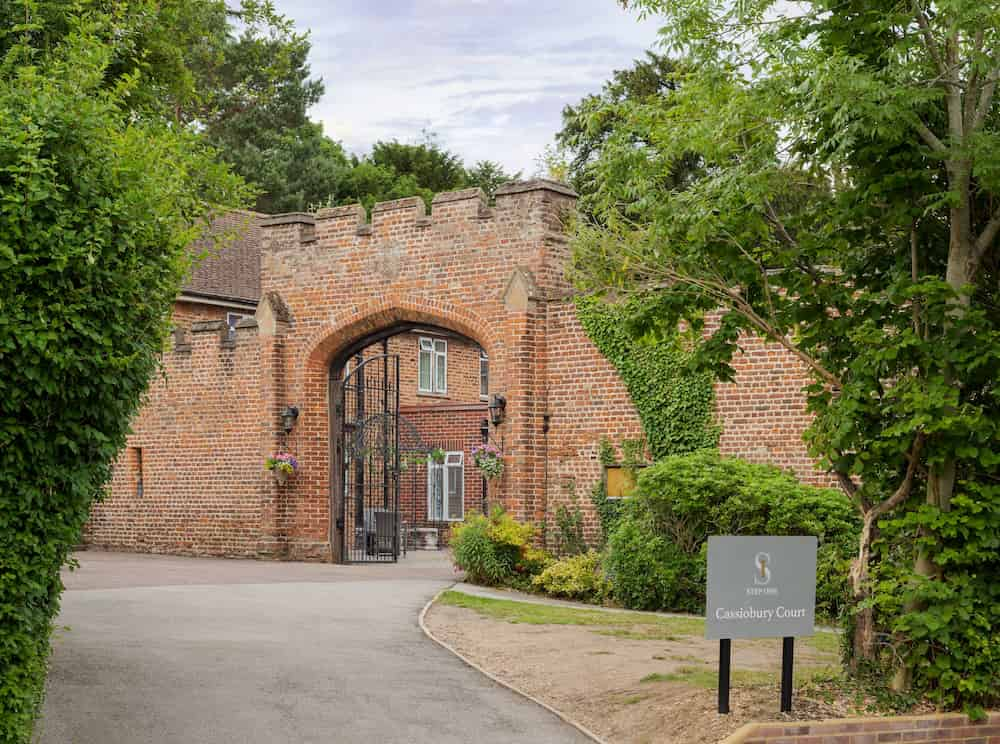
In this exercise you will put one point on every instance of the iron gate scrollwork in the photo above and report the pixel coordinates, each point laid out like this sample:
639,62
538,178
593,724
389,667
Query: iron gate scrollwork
368,513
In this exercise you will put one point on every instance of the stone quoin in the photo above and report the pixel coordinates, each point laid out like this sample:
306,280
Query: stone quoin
266,323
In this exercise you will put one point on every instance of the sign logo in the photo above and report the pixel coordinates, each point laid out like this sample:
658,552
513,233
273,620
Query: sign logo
762,574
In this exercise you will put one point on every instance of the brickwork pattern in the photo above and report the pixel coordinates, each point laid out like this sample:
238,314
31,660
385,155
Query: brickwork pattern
454,428
463,368
940,729
763,411
201,459
343,279
492,277
587,400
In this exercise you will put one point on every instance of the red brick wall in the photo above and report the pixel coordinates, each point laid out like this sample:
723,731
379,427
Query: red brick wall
199,435
488,276
463,368
454,428
763,413
587,401
342,279
939,728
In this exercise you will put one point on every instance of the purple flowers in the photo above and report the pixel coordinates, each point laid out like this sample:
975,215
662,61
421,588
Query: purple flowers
489,459
283,462
485,450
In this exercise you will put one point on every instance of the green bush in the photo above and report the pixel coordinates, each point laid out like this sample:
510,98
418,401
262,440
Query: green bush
578,577
648,571
495,550
681,500
96,209
950,632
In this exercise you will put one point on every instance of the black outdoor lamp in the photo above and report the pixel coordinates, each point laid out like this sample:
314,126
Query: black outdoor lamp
498,404
288,417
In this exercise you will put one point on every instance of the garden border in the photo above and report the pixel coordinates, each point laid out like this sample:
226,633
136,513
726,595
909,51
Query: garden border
469,662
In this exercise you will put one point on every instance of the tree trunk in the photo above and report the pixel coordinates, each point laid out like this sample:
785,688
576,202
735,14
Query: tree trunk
940,484
863,643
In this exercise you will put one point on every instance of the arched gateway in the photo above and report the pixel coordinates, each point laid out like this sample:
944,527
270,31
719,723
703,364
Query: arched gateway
351,338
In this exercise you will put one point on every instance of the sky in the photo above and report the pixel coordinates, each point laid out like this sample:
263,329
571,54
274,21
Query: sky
489,77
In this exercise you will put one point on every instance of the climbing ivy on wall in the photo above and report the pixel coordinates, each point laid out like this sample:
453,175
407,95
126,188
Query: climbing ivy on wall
674,404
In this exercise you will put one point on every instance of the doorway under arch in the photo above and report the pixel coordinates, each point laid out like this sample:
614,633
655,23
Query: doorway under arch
407,403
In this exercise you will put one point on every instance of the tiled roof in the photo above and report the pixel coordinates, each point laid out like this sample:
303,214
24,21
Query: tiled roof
231,269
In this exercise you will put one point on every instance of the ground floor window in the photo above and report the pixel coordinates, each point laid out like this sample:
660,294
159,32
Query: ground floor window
446,488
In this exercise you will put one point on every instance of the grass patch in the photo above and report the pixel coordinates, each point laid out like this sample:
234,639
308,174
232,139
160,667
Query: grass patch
708,677
643,634
652,627
633,699
824,642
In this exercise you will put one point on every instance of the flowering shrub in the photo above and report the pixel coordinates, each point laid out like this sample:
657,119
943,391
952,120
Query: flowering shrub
494,549
487,458
282,462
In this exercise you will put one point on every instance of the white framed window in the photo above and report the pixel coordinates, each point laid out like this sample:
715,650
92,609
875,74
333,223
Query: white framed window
446,488
484,375
432,374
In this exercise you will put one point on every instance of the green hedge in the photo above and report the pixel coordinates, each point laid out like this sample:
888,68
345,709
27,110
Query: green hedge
96,209
656,553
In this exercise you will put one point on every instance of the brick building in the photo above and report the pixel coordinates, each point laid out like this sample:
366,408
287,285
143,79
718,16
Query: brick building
309,311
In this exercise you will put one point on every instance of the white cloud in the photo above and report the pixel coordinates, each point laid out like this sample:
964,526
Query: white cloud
490,77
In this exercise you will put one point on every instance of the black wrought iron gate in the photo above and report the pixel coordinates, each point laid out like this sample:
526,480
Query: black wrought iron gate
366,461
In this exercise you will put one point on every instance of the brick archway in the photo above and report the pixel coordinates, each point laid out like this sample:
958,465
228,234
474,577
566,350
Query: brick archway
350,327
350,331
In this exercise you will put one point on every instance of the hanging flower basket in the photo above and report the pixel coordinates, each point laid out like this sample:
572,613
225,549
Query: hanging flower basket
282,465
488,458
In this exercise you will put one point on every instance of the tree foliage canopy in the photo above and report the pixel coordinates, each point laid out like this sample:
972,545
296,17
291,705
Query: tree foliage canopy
588,125
845,209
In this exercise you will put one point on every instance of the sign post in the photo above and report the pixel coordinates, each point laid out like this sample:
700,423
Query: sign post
760,587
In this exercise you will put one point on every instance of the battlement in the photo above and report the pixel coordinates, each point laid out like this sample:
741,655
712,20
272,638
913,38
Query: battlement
284,231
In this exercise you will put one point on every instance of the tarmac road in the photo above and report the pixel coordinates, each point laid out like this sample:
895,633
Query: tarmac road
169,650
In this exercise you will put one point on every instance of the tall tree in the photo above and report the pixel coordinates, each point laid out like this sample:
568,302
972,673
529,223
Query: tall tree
589,124
489,175
846,210
236,72
97,206
432,166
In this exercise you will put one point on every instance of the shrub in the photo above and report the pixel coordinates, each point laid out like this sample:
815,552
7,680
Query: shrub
569,522
494,549
648,571
97,210
679,501
576,577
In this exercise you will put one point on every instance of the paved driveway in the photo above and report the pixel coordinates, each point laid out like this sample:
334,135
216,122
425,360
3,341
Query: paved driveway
183,650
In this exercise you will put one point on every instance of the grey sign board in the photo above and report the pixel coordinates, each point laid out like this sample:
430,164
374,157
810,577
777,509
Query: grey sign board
760,587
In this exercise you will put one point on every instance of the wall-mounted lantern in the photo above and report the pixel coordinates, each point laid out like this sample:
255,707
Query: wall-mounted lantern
498,404
288,418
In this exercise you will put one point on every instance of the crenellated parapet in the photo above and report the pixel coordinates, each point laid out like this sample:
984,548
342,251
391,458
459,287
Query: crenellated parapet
537,201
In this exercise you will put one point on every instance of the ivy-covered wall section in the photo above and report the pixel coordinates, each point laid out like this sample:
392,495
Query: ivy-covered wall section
675,406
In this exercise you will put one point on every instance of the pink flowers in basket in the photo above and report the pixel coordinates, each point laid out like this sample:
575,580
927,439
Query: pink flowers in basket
282,465
488,458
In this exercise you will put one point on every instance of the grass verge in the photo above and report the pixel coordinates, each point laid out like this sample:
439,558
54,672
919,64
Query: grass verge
652,627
